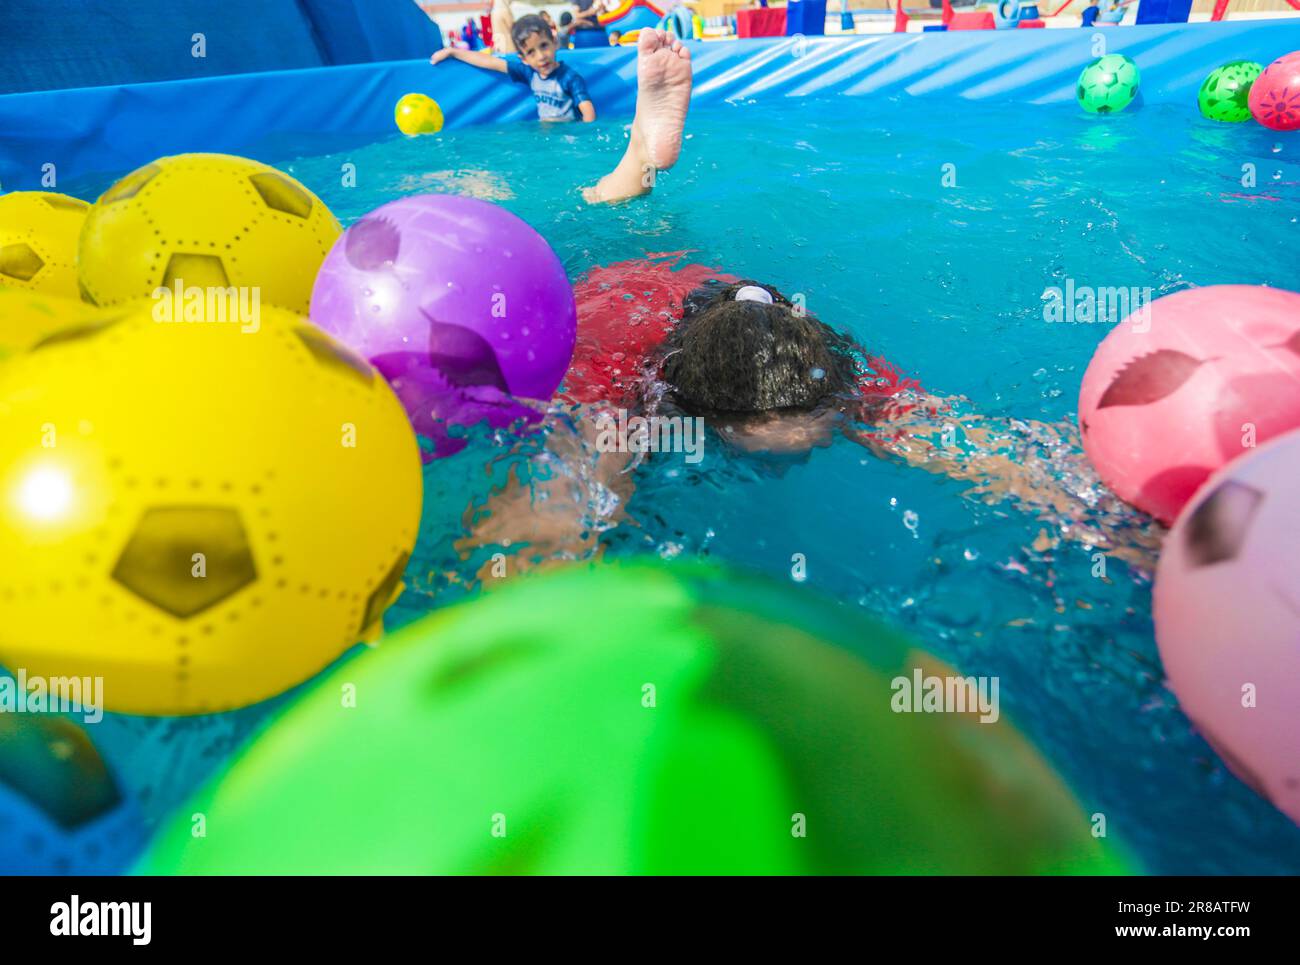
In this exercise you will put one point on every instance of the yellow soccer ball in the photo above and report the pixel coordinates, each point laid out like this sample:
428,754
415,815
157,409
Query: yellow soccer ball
203,514
418,114
208,220
27,316
38,241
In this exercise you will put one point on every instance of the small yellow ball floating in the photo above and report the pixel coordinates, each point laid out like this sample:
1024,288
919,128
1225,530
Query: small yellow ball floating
207,220
38,241
201,513
418,114
27,316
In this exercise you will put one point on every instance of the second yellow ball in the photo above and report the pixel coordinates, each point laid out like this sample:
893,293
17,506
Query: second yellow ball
418,114
206,220
38,241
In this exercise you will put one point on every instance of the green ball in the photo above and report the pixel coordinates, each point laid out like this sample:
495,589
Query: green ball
642,718
1225,95
1108,84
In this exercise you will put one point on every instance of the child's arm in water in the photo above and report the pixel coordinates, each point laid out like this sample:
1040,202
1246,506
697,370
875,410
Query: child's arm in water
573,493
576,491
484,59
1039,466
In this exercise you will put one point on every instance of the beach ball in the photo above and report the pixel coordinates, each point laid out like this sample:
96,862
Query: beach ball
1108,84
1186,384
207,220
203,513
1225,93
461,305
1227,614
38,241
27,316
1275,95
61,810
638,718
418,114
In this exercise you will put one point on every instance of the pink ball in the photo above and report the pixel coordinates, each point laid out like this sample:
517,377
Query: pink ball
1184,386
1227,614
1275,95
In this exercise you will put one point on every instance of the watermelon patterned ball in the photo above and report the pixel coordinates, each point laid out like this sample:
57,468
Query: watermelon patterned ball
1225,94
1227,614
1187,384
1275,96
639,718
1108,84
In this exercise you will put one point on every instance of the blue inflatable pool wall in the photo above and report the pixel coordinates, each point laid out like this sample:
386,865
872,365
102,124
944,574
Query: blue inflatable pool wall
271,115
56,44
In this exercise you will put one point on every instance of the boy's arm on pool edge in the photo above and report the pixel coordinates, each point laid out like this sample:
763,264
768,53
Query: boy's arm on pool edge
484,59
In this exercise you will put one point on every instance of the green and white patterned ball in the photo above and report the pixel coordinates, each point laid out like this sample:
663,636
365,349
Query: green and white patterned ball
1108,84
1226,92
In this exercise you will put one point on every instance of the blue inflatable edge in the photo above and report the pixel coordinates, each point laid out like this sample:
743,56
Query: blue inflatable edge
280,115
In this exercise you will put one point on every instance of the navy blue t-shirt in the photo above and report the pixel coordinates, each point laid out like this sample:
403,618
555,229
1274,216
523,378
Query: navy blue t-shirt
558,95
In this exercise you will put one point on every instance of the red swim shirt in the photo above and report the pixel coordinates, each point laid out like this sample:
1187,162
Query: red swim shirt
627,309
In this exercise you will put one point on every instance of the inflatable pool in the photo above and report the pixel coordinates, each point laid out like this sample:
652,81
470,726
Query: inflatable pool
278,115
923,193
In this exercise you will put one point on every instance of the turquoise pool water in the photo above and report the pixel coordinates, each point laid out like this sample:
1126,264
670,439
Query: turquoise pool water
928,230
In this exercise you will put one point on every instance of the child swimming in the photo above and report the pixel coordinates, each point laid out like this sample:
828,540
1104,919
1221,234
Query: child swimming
768,378
559,90
774,384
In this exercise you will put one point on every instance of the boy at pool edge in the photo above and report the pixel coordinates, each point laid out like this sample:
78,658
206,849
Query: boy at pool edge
559,90
769,378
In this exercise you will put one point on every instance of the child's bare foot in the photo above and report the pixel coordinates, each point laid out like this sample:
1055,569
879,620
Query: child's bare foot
663,78
663,70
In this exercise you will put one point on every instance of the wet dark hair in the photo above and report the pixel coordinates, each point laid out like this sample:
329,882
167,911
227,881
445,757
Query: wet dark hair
566,18
526,26
728,356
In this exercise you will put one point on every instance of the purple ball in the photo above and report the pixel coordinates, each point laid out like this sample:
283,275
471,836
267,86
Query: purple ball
461,305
